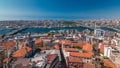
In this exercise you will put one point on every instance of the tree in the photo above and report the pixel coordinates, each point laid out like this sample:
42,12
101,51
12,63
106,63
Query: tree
78,47
92,33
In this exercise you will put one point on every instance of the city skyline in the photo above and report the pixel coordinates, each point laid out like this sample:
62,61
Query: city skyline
59,9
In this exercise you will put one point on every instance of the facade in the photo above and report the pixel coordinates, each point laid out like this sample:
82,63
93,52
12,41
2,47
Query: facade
74,62
107,51
21,63
52,60
99,32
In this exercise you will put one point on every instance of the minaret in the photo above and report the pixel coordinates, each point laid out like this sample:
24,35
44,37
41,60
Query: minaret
16,41
95,25
95,29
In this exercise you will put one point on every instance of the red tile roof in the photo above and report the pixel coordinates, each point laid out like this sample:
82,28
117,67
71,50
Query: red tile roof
78,54
88,65
28,48
37,41
74,59
45,47
74,52
57,47
79,43
71,49
51,57
87,47
22,52
8,44
109,63
6,60
66,42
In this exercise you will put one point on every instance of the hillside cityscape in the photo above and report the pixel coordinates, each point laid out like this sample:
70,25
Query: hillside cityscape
60,44
58,23
59,33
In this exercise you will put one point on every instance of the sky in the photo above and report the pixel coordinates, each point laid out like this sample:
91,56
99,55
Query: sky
59,9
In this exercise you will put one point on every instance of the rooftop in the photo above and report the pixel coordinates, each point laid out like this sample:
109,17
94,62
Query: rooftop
21,43
21,52
57,47
74,59
88,65
79,43
51,57
22,61
78,54
6,60
37,41
86,50
71,50
8,44
87,47
66,42
109,63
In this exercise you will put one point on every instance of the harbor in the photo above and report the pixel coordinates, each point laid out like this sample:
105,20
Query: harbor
8,32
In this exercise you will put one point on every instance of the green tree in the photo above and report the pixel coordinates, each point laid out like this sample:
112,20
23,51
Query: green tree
92,33
78,47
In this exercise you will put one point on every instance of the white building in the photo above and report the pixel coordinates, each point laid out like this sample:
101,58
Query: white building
107,51
99,32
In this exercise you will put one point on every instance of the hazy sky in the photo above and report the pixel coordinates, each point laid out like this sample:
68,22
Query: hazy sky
37,9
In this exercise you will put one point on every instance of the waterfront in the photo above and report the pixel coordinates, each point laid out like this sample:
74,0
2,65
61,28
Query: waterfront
4,31
40,30
43,30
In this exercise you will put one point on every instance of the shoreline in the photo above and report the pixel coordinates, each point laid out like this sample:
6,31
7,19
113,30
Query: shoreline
47,29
